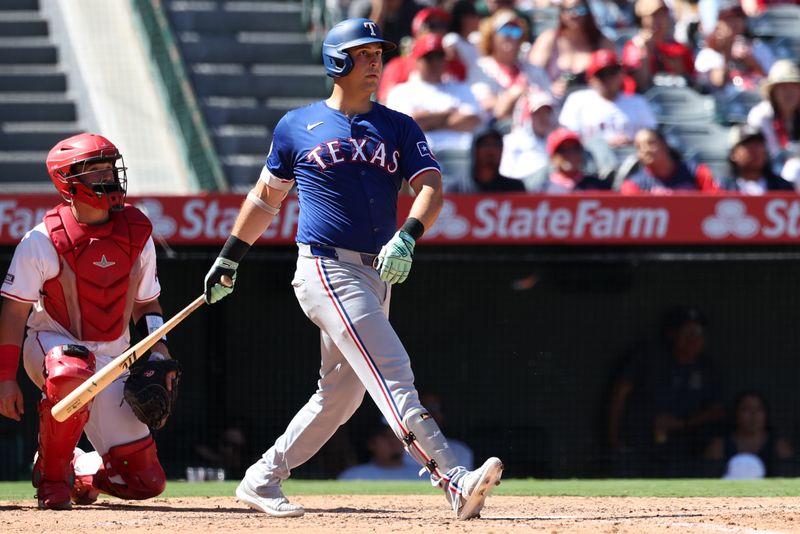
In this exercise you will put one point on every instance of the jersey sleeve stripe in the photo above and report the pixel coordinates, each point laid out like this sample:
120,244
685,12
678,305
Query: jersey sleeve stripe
17,298
274,182
437,171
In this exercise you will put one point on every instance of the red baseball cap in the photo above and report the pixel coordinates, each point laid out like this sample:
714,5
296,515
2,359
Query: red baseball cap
558,137
601,59
425,44
426,14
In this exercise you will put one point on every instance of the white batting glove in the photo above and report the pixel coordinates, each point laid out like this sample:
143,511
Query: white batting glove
394,260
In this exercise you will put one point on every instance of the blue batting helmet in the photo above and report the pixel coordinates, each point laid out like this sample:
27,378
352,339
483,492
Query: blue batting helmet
349,34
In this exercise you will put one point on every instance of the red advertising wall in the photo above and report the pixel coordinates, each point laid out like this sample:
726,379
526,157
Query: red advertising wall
484,219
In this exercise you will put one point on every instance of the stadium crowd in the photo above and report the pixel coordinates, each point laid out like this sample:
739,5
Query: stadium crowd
633,96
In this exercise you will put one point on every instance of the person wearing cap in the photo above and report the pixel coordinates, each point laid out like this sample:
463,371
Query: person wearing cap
485,177
660,170
604,110
567,157
429,20
752,448
778,114
665,403
730,59
524,147
653,49
446,111
564,52
750,168
501,77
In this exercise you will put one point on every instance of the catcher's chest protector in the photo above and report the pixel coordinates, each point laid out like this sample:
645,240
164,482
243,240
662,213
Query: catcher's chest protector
92,296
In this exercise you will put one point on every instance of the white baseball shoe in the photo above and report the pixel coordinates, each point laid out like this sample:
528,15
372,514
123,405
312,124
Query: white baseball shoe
271,501
475,487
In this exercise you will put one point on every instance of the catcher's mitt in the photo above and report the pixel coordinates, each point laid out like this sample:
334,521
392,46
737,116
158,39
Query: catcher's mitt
146,391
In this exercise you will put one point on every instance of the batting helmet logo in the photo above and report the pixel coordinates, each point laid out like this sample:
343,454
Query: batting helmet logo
347,34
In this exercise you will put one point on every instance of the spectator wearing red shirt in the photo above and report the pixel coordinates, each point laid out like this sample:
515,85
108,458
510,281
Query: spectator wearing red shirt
654,50
400,69
661,171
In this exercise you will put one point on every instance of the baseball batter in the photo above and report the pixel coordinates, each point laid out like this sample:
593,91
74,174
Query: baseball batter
348,156
82,274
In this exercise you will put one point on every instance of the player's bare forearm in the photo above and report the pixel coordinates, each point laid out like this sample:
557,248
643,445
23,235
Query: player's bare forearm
253,220
13,317
429,200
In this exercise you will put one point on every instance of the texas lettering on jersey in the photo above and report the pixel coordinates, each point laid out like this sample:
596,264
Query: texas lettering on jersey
329,153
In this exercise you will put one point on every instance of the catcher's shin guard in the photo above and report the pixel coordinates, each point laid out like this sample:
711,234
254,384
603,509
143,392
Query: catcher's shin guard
131,471
427,445
65,367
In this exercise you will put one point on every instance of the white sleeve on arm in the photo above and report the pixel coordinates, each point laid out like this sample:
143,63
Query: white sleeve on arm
568,118
274,182
149,287
35,261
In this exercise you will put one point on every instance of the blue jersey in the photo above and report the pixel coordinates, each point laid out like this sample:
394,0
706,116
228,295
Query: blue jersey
348,171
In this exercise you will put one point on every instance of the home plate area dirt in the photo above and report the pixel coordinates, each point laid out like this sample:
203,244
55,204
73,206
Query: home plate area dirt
355,514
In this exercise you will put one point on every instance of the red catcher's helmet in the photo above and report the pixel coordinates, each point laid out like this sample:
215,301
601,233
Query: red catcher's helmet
66,164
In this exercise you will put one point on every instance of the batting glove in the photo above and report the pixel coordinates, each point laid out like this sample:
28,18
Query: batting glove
394,259
216,290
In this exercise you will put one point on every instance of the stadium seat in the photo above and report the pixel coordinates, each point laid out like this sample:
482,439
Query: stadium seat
456,166
732,108
777,21
687,138
680,105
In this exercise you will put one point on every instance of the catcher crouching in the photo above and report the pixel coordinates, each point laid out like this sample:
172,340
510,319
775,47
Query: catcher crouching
75,282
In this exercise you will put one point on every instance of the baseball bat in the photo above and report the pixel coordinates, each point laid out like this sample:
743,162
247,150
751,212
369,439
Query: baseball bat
102,378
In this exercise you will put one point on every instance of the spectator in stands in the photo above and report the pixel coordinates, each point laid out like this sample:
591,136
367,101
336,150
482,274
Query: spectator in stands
730,59
751,433
386,462
778,115
229,453
447,112
750,169
501,78
460,41
524,148
653,50
604,110
428,20
753,8
661,170
567,162
665,401
486,178
393,16
564,52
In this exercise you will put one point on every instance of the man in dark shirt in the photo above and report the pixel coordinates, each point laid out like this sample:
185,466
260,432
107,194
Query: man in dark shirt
487,150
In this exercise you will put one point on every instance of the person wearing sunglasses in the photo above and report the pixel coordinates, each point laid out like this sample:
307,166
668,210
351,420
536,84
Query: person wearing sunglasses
501,76
604,110
563,52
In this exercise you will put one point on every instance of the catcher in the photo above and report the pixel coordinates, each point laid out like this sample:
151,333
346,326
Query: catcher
77,279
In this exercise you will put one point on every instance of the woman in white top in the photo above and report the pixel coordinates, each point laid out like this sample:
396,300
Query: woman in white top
501,77
778,115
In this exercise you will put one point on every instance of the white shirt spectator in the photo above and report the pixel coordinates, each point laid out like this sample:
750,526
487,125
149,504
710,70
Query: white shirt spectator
761,116
708,59
523,155
418,95
589,114
372,471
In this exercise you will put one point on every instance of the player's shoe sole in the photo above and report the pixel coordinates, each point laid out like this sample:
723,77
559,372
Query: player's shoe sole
277,506
483,481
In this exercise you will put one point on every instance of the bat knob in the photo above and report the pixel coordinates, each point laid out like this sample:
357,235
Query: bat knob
226,280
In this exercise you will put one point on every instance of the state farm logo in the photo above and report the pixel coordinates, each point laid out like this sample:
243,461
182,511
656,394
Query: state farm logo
730,218
163,225
449,224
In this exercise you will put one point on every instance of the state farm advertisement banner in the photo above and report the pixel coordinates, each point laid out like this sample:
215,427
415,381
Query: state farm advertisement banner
483,219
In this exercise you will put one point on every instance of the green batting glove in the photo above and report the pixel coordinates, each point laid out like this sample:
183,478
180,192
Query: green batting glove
215,288
394,259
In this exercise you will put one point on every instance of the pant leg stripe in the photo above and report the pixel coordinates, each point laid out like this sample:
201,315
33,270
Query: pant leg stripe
350,327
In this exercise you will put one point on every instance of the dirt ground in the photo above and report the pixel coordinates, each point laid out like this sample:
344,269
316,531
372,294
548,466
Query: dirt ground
357,514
